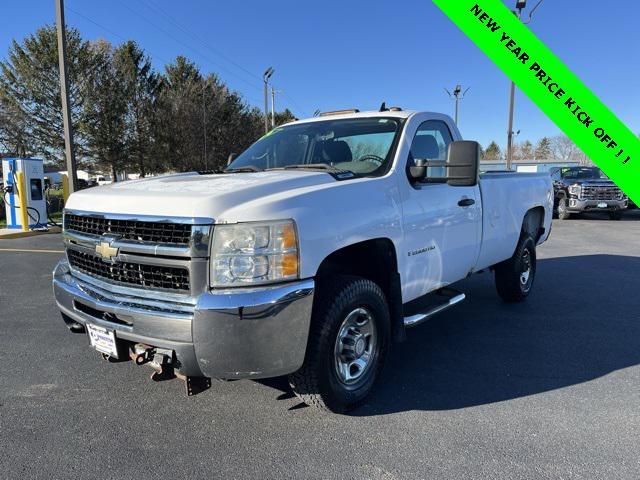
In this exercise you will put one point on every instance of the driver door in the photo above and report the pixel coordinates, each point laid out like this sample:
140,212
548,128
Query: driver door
442,223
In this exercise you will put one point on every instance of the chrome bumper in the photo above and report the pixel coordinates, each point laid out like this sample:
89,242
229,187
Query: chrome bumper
580,205
234,333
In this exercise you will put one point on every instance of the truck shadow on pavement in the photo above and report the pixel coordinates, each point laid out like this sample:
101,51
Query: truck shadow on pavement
580,323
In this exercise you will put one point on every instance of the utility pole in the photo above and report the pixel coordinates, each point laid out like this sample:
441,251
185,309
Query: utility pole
267,75
458,94
64,95
273,107
520,5
512,96
204,125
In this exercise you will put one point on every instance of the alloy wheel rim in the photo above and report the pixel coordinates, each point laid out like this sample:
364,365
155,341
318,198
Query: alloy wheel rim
525,275
356,346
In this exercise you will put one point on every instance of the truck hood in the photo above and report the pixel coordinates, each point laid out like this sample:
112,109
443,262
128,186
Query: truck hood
592,182
193,195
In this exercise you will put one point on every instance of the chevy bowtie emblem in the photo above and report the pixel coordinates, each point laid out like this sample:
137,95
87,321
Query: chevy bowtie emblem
106,251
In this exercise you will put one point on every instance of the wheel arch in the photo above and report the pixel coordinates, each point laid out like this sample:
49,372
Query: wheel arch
376,260
533,222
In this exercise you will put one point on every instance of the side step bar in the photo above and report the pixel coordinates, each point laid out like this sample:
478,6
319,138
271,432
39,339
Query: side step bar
419,318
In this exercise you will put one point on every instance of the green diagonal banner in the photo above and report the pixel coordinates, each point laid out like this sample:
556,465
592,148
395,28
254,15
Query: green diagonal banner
552,86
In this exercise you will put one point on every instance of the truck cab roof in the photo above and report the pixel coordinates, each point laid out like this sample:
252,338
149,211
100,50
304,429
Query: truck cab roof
367,114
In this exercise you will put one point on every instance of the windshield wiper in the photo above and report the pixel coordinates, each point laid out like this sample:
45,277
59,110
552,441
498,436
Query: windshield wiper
335,172
248,168
317,166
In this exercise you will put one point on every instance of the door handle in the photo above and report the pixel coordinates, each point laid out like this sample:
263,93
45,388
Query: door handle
466,202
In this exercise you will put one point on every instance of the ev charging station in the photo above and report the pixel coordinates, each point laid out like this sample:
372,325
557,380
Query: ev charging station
33,171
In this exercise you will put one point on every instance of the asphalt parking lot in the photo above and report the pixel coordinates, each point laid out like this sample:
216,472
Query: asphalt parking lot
545,389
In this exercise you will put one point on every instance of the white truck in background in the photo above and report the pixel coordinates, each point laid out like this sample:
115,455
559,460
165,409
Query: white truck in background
310,254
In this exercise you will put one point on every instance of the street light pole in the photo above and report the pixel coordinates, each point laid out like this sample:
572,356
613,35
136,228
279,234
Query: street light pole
267,74
458,95
204,125
64,95
520,5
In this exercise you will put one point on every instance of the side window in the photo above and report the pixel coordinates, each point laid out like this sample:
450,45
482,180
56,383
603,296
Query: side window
430,143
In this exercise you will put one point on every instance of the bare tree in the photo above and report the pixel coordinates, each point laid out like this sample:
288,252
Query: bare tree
563,149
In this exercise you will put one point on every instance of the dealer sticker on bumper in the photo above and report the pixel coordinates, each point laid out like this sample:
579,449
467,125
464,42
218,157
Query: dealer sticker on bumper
102,339
603,205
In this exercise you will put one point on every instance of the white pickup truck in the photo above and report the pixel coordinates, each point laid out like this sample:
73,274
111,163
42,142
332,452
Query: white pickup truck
308,256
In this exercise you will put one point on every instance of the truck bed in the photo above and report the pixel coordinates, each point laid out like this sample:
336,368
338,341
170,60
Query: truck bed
506,197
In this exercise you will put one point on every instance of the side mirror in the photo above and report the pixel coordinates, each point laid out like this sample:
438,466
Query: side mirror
419,170
463,161
231,158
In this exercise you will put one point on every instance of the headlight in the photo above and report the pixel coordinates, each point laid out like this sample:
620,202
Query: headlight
575,189
254,253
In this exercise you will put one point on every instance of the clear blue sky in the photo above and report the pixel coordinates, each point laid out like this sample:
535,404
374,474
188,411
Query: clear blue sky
338,54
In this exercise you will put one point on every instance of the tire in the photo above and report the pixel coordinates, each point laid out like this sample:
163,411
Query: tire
515,277
336,337
563,213
616,215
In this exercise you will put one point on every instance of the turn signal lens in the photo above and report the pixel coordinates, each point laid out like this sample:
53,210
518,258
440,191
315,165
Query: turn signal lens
288,237
290,264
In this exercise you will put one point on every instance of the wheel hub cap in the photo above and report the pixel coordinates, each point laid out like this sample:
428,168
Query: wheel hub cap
526,265
356,345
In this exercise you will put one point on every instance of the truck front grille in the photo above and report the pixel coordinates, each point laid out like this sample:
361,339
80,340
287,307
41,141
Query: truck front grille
131,274
156,232
601,193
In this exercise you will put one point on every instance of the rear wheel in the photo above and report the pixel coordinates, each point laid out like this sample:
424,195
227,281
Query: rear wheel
514,277
563,212
347,345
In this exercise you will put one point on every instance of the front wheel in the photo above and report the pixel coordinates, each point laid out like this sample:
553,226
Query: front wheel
348,341
563,209
515,276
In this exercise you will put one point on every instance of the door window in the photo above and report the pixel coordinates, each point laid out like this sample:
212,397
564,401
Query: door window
430,143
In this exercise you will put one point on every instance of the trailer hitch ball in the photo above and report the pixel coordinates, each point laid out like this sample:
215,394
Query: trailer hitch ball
142,354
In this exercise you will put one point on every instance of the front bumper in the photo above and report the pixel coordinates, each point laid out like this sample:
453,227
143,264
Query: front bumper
580,205
233,333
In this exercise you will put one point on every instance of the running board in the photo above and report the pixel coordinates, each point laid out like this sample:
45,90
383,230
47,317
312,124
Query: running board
417,319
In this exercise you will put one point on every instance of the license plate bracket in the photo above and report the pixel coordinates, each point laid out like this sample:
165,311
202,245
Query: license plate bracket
103,340
603,205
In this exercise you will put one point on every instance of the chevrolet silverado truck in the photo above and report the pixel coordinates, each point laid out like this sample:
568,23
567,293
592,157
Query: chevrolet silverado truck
307,256
586,189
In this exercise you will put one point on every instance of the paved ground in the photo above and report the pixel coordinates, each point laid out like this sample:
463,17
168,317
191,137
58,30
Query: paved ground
546,389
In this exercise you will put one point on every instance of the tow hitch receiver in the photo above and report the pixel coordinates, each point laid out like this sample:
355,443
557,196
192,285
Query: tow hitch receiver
163,363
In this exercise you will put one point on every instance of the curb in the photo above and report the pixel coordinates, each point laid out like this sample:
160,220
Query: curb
12,235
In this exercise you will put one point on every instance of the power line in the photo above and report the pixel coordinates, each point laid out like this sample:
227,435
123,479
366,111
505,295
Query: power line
200,40
155,25
111,32
124,39
206,45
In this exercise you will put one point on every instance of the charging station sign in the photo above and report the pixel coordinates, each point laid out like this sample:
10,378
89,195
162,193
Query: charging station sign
552,87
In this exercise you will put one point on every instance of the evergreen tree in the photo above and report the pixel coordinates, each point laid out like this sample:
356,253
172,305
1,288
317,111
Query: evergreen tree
140,86
30,93
105,111
493,152
543,149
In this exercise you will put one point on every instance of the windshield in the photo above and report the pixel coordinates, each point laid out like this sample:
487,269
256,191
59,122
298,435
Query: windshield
361,145
584,173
